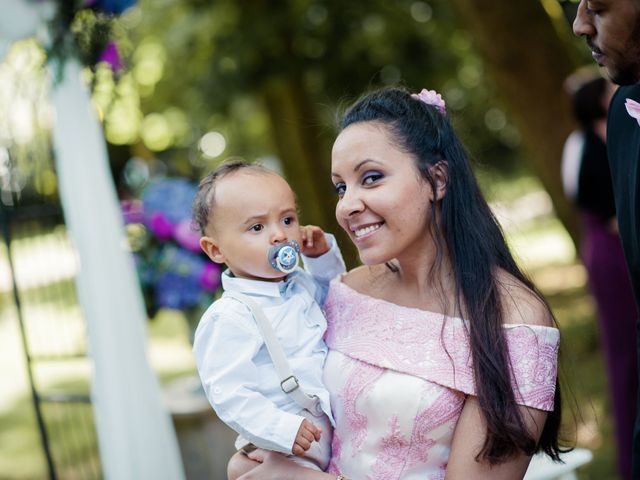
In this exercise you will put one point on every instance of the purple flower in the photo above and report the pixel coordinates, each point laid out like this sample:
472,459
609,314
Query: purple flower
173,270
179,280
111,56
186,237
161,226
181,262
175,291
132,211
171,196
210,277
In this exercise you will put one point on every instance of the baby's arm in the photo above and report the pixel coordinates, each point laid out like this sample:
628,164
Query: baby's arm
322,258
224,347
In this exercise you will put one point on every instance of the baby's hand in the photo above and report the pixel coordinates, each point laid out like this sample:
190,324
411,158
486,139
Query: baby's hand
307,433
314,241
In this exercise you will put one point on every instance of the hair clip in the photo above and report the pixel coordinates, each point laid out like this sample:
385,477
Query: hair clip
431,97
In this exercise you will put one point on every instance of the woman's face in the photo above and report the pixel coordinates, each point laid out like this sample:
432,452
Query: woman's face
383,202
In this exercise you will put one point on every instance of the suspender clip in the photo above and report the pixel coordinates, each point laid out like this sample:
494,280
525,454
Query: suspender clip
289,384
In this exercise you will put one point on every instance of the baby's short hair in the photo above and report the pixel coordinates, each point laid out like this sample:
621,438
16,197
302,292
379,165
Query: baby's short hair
203,202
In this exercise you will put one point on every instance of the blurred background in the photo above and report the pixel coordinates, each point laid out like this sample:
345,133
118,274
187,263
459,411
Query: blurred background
181,85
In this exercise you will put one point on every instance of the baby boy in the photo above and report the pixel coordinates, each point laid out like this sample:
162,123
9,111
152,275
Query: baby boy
244,212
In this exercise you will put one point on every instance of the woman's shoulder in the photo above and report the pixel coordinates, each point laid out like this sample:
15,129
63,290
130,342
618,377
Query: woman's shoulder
365,279
520,304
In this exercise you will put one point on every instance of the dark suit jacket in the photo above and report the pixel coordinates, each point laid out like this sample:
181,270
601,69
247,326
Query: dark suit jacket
623,146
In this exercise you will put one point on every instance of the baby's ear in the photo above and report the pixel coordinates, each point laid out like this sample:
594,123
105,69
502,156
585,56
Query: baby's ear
211,248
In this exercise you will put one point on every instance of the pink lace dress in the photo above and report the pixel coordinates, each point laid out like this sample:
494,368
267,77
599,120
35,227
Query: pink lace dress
398,378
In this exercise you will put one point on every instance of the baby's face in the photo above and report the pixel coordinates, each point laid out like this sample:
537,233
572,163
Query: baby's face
252,211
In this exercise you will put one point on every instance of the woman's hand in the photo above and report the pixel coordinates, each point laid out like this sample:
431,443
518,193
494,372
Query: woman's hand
275,466
239,465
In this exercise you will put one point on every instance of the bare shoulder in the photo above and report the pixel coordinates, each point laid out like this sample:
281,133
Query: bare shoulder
365,279
520,304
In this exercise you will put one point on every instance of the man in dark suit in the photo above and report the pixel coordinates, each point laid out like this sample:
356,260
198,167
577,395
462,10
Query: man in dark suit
612,31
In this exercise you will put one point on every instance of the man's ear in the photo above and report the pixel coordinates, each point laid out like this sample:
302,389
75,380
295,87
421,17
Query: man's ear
212,249
440,174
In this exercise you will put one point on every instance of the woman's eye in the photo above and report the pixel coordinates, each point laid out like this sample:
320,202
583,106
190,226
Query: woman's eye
340,189
256,228
370,178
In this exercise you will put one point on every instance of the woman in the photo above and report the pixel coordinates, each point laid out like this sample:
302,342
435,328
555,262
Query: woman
417,392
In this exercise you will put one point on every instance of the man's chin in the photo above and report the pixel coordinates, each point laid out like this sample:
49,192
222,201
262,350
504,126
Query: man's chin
620,77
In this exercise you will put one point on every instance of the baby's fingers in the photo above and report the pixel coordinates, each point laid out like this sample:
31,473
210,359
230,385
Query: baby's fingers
301,446
306,234
312,430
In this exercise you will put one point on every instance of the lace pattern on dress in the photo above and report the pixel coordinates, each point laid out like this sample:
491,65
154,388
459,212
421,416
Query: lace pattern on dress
360,378
397,453
436,348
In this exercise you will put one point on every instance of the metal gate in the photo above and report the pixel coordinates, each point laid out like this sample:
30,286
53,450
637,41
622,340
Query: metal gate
37,290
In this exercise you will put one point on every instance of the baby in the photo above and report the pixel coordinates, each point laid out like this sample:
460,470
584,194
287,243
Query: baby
245,212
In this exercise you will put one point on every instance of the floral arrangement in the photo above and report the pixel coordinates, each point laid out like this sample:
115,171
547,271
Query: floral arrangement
173,271
85,29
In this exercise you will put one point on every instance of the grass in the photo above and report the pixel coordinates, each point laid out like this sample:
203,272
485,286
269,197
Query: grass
545,251
586,407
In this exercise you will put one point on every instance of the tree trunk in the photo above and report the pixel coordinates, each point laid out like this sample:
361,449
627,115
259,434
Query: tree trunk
303,147
525,55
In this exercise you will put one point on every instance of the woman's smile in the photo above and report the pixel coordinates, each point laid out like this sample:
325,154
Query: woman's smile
365,231
383,202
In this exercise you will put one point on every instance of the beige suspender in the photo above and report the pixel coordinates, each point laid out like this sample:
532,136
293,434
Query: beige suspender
288,381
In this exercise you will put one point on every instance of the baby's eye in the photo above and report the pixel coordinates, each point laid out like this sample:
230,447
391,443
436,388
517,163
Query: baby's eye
340,188
288,220
370,178
257,227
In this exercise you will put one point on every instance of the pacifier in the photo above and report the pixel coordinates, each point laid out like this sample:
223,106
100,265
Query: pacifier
284,256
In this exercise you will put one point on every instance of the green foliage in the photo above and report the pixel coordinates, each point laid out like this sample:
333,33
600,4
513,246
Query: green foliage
217,58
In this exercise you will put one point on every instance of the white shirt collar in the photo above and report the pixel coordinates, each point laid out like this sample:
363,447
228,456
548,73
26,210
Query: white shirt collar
257,287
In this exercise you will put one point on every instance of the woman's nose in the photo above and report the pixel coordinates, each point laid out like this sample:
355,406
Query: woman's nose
349,205
582,24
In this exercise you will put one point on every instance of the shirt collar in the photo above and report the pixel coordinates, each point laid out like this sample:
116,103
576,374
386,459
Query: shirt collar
258,287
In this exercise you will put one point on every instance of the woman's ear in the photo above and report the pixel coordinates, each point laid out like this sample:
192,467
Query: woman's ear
212,249
440,174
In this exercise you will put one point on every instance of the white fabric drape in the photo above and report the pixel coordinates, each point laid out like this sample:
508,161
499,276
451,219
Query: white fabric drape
136,437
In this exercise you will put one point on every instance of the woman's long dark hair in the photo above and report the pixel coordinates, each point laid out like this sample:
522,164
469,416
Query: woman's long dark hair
476,248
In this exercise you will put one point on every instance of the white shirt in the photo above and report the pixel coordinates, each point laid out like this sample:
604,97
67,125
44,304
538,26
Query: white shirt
235,368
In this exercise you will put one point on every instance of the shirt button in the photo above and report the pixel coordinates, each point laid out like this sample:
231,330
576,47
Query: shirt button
217,390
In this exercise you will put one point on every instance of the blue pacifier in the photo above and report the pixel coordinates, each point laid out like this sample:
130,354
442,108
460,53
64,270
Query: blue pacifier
284,256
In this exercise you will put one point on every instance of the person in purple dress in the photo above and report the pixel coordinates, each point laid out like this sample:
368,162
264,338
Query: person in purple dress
587,182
